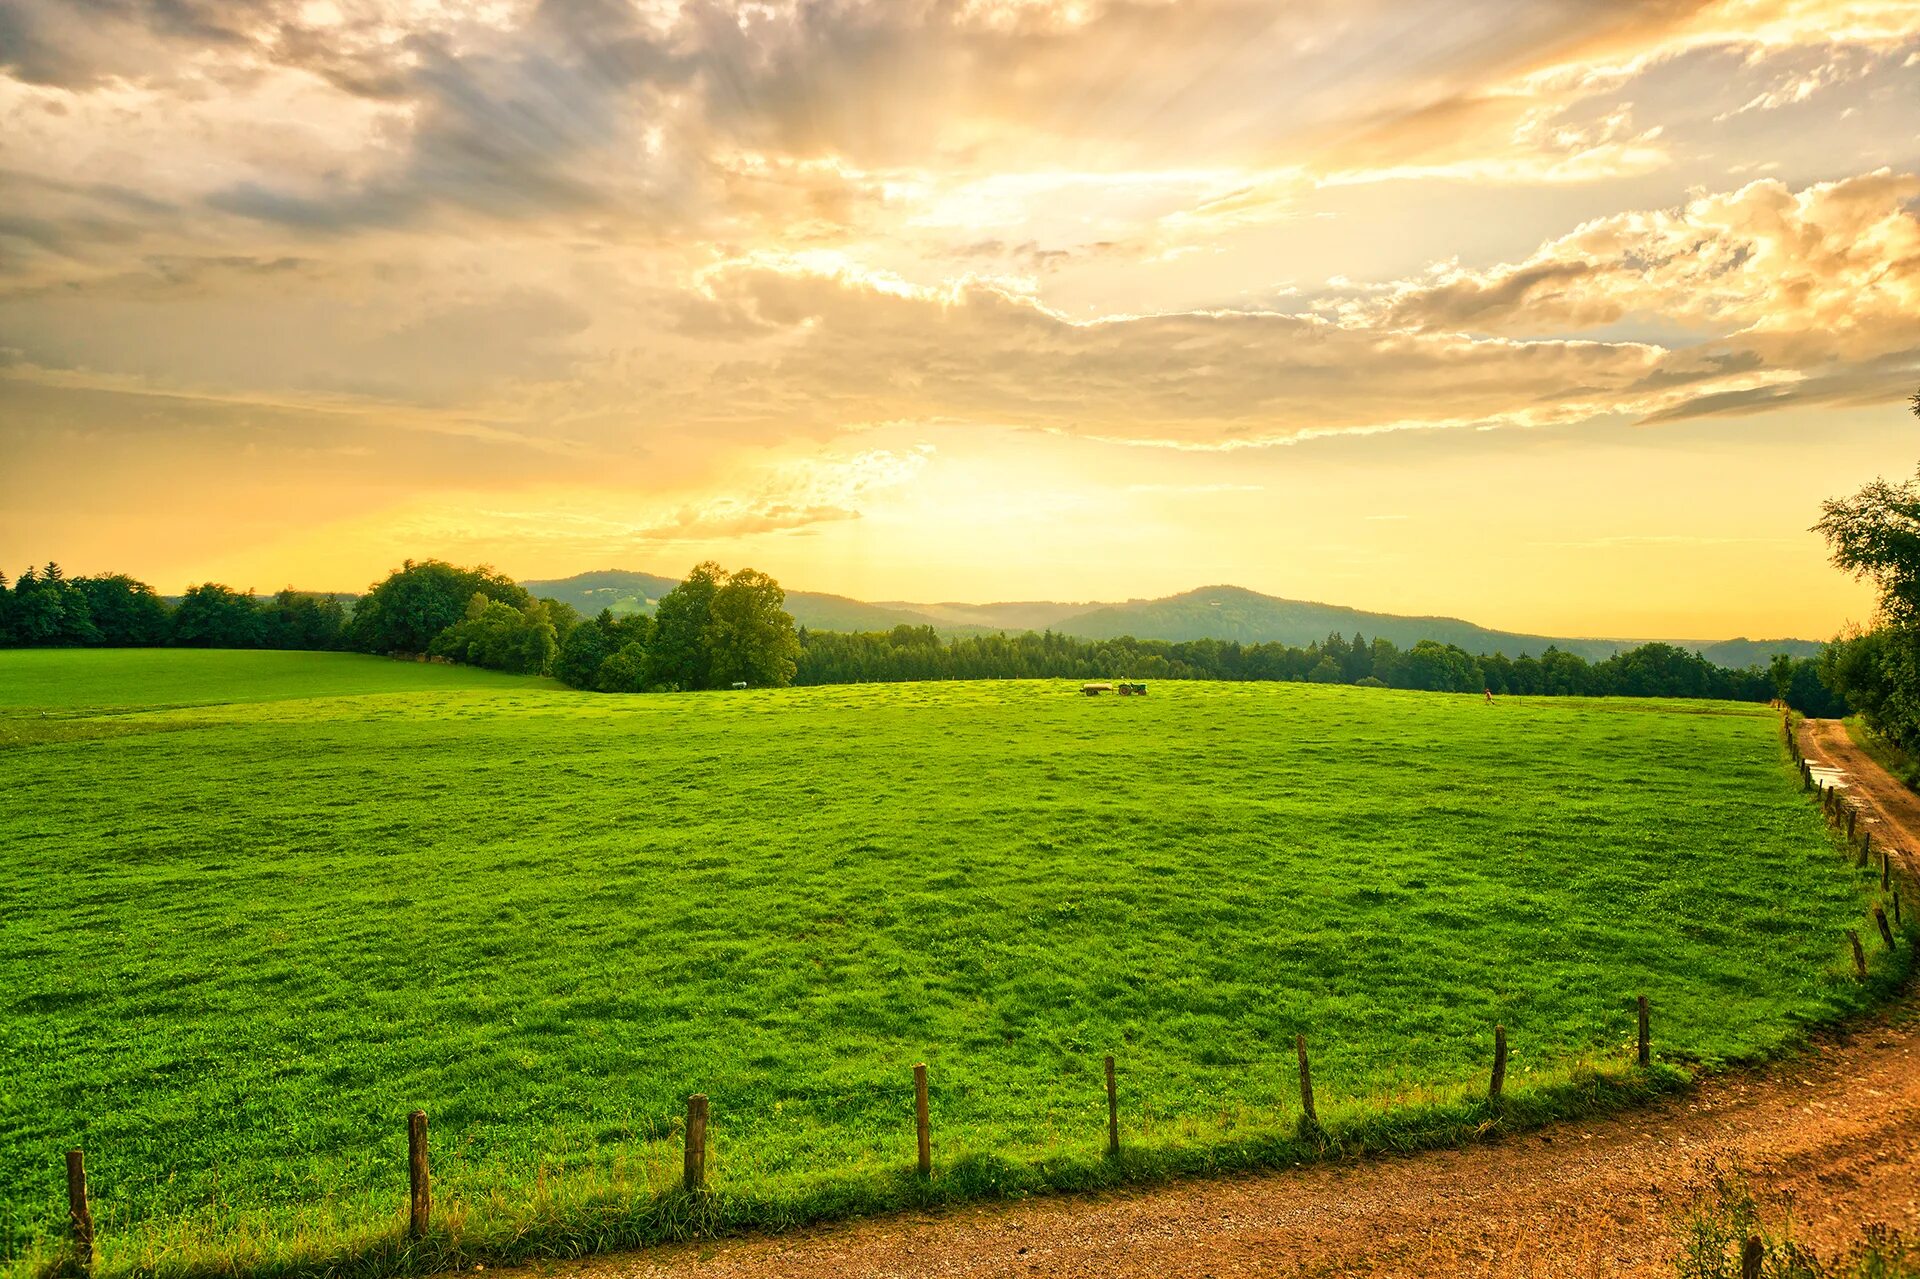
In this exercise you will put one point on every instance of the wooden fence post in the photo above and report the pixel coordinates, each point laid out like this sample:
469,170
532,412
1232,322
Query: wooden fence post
1306,1083
1852,813
1896,906
1113,1113
1886,869
920,1123
1646,1039
1866,851
1499,1081
419,1188
1859,955
694,1176
1751,1256
1886,929
79,1215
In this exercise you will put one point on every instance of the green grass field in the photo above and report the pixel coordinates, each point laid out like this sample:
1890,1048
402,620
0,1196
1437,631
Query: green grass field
247,931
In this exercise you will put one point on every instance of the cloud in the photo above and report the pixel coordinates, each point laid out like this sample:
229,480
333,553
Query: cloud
845,347
790,498
1792,298
1829,272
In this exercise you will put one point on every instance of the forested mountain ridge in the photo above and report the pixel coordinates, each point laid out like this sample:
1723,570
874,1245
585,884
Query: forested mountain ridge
1211,612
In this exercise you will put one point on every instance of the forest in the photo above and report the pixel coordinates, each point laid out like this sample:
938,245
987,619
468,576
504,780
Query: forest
721,629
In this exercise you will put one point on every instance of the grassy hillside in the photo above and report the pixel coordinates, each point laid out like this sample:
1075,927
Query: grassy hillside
617,589
245,938
66,680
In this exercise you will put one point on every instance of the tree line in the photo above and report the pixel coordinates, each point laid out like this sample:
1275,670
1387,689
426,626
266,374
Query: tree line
46,608
1651,670
716,629
713,630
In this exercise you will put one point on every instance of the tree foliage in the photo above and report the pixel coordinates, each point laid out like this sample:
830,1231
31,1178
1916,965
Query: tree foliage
407,611
500,637
713,630
750,636
678,656
215,616
1875,534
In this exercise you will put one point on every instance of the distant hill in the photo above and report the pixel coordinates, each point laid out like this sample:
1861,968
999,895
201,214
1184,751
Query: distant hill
1235,613
1212,612
1741,653
1025,615
617,589
626,592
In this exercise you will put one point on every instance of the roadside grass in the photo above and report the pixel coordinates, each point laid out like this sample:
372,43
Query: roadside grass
1725,1218
1883,752
246,937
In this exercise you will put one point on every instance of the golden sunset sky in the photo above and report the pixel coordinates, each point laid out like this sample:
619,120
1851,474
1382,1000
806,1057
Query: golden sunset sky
1560,316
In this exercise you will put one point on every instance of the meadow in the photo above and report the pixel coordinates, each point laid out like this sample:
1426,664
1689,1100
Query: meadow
259,906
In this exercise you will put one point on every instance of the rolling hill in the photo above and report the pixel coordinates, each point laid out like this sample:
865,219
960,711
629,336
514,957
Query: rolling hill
626,592
1211,612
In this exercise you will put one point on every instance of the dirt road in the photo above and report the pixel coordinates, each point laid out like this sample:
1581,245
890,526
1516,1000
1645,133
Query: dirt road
1838,1129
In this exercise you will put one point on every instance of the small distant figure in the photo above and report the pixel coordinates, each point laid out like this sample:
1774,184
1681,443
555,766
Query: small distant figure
1489,697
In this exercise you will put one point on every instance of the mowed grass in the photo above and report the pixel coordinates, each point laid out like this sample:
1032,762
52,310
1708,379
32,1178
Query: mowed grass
52,679
244,938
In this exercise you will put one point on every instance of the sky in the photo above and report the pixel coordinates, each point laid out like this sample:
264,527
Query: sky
1559,315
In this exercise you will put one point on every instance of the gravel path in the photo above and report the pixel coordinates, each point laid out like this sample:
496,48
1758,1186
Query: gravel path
1837,1129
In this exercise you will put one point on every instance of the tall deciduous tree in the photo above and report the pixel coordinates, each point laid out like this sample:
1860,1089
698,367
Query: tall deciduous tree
750,634
417,601
500,637
215,616
678,656
302,620
126,613
1875,534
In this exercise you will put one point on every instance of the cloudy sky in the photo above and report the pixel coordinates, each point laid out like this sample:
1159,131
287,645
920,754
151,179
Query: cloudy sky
1560,315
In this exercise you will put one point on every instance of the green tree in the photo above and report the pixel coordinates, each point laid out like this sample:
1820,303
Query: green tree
624,671
1780,674
563,615
1875,534
584,649
404,613
750,634
679,656
500,637
39,615
126,613
302,620
215,616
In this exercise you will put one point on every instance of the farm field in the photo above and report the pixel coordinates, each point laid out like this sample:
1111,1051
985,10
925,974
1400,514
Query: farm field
250,927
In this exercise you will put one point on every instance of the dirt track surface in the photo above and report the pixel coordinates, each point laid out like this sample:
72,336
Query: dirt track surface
1838,1130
